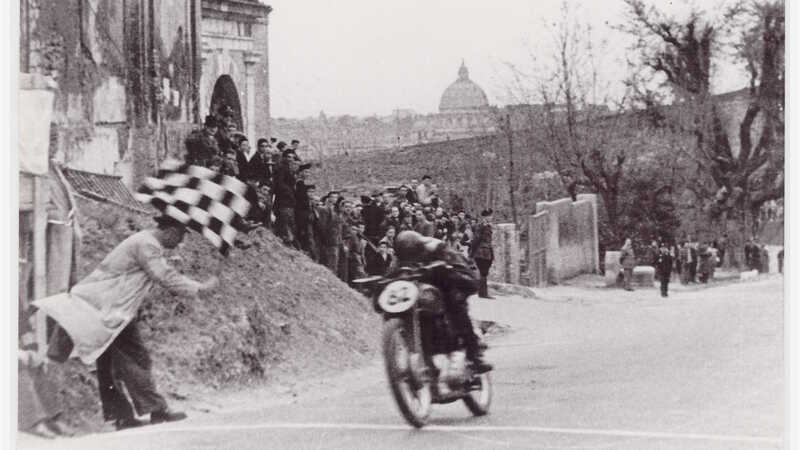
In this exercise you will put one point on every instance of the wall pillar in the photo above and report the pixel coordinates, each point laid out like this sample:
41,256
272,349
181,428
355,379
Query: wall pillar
595,238
250,61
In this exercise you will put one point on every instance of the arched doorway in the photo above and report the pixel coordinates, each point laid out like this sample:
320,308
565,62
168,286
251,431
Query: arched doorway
226,95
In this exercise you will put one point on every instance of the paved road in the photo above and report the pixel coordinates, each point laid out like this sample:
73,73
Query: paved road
581,369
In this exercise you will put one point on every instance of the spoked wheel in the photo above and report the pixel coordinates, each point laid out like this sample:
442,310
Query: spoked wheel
480,395
413,398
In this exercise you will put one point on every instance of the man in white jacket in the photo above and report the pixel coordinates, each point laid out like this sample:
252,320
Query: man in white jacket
99,317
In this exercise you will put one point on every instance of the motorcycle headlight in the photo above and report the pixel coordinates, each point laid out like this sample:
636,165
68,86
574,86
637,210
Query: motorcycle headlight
398,296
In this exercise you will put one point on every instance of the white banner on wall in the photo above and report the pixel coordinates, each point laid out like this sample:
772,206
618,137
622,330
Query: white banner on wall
35,112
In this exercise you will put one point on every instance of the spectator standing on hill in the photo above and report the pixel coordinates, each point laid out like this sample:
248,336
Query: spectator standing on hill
628,260
345,223
329,232
663,265
285,202
764,258
423,226
425,191
355,261
391,234
379,264
201,145
374,215
411,194
303,213
265,191
392,220
252,171
482,252
780,261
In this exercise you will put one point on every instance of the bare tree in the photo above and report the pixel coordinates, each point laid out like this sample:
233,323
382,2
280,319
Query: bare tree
733,180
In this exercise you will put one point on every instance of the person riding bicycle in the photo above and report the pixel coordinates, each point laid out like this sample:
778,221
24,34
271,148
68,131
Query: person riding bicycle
457,282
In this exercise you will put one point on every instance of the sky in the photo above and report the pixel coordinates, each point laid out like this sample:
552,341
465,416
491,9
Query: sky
364,57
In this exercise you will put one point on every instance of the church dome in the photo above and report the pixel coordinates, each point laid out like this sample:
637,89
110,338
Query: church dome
463,95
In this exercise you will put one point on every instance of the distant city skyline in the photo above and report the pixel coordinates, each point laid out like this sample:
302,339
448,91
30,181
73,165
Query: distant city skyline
369,58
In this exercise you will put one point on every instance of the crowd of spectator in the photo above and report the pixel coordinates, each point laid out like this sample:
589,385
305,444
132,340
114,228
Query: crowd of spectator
352,235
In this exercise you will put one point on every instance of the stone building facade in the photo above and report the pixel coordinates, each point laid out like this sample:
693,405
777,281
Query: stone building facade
122,69
133,77
235,68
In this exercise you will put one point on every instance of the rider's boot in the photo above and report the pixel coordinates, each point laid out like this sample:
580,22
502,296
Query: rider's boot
475,355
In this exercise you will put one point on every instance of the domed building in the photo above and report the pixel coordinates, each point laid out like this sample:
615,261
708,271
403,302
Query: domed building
464,111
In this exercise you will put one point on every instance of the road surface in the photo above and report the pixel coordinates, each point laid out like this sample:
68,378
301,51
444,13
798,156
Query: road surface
579,368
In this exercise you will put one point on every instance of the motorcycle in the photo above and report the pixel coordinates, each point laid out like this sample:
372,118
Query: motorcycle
425,364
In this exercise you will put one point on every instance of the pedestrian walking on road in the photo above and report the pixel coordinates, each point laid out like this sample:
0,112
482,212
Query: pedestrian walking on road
628,260
664,268
482,252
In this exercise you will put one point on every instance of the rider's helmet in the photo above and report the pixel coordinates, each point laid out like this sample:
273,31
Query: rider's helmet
412,246
409,246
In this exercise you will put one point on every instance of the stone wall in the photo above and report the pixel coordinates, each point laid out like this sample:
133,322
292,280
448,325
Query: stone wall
571,237
505,241
562,236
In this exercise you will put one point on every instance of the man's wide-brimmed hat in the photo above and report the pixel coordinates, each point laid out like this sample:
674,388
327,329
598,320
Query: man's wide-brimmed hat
211,121
487,212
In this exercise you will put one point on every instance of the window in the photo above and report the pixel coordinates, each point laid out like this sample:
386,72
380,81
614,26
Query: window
245,29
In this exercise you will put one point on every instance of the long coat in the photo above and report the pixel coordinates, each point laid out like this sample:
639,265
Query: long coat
283,185
98,308
627,258
481,245
663,265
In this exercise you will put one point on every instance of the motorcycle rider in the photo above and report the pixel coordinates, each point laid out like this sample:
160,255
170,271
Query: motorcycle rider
456,283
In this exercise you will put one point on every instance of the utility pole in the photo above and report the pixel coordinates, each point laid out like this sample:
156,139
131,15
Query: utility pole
511,169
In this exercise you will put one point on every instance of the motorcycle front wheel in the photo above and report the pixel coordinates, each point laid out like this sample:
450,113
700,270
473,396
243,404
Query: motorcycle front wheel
413,400
478,400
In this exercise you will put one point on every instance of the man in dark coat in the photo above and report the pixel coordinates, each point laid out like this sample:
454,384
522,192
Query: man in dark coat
423,226
252,171
392,220
284,185
201,145
663,265
482,252
303,213
378,262
329,232
374,215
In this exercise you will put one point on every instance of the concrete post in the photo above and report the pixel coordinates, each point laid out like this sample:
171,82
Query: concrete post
595,251
250,61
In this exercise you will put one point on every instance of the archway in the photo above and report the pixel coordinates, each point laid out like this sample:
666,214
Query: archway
225,95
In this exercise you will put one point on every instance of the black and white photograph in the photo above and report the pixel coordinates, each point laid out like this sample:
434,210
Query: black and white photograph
441,224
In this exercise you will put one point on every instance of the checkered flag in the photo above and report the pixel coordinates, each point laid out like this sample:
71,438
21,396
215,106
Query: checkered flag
205,201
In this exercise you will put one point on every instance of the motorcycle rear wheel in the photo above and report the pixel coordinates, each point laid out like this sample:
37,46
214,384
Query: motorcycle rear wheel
414,402
478,401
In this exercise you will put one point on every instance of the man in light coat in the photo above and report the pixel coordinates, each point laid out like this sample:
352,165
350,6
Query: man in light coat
99,316
628,260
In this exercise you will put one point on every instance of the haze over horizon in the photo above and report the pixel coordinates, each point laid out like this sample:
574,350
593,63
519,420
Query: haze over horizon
364,58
